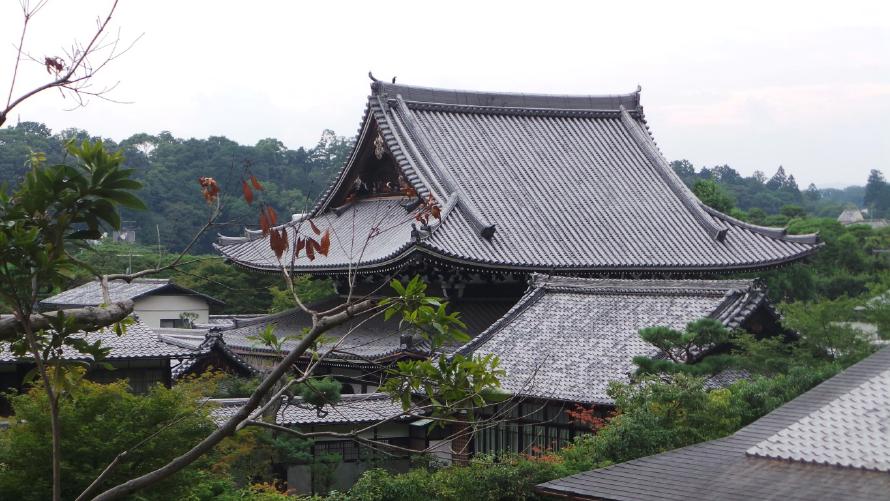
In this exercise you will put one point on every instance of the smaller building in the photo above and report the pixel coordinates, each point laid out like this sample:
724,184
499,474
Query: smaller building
141,355
832,442
158,302
856,216
346,459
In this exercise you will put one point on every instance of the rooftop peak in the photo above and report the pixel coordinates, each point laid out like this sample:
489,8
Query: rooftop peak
630,101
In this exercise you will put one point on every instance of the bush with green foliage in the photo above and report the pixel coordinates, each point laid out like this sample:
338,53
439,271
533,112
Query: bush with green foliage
654,417
99,422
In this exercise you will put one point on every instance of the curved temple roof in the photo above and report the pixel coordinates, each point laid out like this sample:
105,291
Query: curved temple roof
526,182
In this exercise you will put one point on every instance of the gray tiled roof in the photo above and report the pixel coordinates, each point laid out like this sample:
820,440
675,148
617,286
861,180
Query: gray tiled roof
722,470
567,338
202,342
359,408
564,183
371,339
852,430
90,293
137,342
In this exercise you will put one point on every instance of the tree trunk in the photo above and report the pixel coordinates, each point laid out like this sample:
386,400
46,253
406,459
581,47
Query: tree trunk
56,427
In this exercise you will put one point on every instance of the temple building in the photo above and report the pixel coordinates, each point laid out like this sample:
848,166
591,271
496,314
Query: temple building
158,302
563,231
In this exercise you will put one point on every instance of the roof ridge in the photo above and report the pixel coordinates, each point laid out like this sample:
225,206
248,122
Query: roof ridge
669,177
531,296
608,102
446,179
778,233
539,280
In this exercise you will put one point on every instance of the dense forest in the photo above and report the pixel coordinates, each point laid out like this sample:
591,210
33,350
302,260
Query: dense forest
169,168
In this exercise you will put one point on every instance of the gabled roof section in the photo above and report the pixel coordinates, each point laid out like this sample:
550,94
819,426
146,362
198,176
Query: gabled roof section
840,424
205,343
90,293
568,338
531,182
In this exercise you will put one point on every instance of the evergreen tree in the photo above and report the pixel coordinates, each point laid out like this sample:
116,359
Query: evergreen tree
778,181
877,194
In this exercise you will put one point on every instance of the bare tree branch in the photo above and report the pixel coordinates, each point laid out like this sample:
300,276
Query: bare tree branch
67,77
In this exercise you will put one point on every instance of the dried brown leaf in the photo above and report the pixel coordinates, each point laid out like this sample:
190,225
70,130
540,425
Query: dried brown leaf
325,244
248,193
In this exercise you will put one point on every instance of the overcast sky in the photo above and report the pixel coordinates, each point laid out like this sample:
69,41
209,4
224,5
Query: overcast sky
755,84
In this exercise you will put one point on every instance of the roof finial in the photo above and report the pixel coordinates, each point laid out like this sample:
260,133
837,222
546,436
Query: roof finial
371,76
639,88
393,79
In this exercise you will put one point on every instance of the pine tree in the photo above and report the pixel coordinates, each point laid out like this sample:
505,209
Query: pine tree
877,194
779,180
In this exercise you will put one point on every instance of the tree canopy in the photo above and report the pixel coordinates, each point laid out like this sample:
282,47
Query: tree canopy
291,178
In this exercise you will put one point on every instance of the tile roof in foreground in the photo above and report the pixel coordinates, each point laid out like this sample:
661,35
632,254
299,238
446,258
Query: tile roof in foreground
832,442
358,408
567,338
370,339
526,182
138,341
90,293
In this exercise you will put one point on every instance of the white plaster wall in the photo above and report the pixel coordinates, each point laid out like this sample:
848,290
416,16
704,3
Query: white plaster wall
152,309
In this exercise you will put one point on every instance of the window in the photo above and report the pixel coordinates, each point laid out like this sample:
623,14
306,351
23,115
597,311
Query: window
174,323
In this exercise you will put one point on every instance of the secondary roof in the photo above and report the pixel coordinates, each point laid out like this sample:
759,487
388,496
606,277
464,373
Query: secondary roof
351,409
365,338
830,443
525,182
568,338
90,293
138,342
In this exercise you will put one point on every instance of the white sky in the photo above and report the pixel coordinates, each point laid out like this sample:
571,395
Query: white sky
755,84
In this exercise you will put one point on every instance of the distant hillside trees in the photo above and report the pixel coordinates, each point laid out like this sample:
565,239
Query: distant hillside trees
169,167
877,195
768,200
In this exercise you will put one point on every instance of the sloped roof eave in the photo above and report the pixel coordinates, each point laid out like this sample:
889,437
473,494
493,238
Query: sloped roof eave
414,250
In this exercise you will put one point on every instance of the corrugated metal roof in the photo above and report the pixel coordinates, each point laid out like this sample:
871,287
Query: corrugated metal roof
563,187
722,470
567,339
